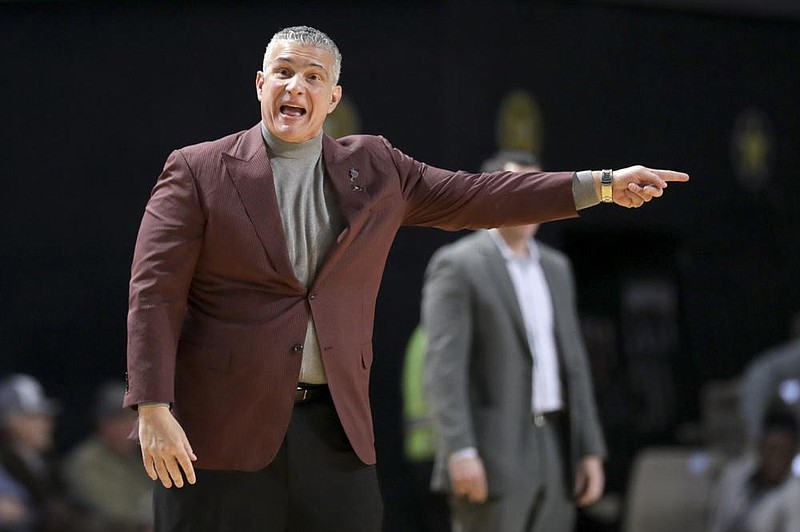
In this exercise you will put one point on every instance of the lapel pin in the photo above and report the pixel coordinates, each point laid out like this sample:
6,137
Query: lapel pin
353,174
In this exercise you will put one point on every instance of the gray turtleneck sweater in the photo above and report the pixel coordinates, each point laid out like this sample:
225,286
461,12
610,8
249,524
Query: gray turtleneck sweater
311,221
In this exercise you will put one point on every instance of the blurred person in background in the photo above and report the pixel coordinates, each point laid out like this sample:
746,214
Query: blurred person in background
104,471
15,512
758,492
508,381
27,424
772,376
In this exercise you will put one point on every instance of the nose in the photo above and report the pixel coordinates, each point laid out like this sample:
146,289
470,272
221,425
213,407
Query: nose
295,85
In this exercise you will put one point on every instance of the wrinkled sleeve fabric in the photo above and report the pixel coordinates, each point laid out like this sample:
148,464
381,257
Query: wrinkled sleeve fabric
455,200
167,247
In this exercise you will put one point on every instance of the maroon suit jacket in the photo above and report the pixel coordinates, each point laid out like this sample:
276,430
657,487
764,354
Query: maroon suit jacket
216,316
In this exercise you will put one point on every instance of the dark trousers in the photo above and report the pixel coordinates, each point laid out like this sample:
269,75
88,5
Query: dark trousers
430,507
315,484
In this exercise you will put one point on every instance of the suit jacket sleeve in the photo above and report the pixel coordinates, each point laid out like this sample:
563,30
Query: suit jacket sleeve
166,252
447,320
462,200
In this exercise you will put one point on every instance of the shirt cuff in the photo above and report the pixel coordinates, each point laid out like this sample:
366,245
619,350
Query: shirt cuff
466,452
583,190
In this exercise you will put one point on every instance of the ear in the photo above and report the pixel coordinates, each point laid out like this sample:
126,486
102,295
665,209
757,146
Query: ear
336,97
259,84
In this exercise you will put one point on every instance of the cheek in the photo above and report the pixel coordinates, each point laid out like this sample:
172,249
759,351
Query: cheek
264,101
267,97
321,107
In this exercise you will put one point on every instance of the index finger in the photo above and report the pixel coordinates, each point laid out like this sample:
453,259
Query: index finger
671,175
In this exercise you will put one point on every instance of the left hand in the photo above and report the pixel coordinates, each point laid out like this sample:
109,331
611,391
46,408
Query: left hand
589,481
166,453
468,478
636,185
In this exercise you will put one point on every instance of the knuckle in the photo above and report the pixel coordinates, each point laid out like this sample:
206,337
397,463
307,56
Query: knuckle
167,449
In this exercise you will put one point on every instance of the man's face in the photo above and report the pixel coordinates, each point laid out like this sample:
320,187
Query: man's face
30,432
296,91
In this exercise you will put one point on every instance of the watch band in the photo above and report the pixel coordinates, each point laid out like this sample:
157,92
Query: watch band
606,180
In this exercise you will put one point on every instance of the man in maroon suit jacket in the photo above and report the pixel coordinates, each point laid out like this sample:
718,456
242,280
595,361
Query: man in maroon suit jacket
224,314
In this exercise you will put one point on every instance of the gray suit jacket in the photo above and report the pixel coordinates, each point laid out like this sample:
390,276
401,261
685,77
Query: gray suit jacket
478,373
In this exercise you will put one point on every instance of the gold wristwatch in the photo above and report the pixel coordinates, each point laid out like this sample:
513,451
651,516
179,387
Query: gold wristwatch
606,180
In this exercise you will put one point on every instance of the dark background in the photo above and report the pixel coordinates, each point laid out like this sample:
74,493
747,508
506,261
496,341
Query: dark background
94,96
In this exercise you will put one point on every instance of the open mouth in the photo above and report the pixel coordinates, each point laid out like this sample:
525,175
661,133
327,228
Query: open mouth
292,110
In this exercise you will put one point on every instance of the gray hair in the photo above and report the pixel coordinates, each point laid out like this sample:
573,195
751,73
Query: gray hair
311,37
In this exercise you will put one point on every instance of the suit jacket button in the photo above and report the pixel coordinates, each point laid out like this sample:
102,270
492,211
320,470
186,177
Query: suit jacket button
297,347
312,297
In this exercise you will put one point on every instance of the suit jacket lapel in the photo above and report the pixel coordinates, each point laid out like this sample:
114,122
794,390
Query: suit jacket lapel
499,277
555,280
345,176
346,179
558,294
251,174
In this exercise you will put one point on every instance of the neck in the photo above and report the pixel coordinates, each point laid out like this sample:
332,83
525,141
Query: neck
291,150
517,245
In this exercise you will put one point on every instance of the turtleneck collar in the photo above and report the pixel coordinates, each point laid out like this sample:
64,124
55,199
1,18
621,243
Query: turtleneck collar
291,150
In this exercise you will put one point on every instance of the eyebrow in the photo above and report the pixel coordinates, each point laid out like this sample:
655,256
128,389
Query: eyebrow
287,59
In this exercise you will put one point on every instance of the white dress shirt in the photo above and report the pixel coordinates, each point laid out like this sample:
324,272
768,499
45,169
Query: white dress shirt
536,306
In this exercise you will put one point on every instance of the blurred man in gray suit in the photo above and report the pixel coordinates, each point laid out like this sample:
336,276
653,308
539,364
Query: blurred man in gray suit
508,381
